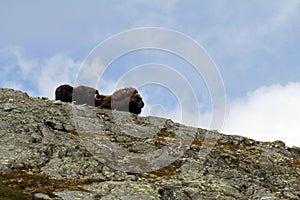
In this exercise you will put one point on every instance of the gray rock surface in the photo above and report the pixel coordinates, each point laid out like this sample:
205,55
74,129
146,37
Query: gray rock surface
55,150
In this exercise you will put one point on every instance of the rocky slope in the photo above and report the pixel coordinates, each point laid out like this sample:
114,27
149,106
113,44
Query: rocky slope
55,150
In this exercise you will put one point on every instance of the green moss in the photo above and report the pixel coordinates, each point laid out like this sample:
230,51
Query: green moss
23,184
12,193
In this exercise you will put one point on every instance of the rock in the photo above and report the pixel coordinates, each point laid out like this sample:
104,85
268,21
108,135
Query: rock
8,107
55,150
42,196
71,195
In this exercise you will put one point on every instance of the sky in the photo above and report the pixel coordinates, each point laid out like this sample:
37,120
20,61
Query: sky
253,47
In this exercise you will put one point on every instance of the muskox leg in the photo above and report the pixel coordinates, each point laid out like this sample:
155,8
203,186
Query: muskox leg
64,93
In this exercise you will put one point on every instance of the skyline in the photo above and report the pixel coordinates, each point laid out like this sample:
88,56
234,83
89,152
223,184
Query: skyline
254,46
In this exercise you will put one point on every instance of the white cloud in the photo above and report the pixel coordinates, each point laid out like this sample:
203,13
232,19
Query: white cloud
37,77
26,65
56,70
15,67
267,114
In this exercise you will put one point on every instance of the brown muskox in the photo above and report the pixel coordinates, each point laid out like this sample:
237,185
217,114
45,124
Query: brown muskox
80,94
126,99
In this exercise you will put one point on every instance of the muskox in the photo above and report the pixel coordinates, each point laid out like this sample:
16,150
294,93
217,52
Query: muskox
126,99
80,94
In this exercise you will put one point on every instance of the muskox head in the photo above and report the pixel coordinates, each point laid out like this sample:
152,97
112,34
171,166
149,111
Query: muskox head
136,103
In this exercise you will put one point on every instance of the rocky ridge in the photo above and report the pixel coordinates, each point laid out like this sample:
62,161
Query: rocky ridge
55,150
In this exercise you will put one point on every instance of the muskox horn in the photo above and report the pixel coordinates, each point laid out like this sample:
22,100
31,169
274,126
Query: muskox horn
97,97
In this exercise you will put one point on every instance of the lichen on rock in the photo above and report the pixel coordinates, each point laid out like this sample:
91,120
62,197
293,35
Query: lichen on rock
56,150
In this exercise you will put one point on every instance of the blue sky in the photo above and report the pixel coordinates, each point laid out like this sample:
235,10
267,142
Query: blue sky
254,44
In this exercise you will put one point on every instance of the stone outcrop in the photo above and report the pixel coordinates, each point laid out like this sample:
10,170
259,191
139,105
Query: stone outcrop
55,150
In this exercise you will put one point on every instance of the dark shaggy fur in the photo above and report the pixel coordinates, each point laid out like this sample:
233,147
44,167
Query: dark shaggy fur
126,99
64,93
80,94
